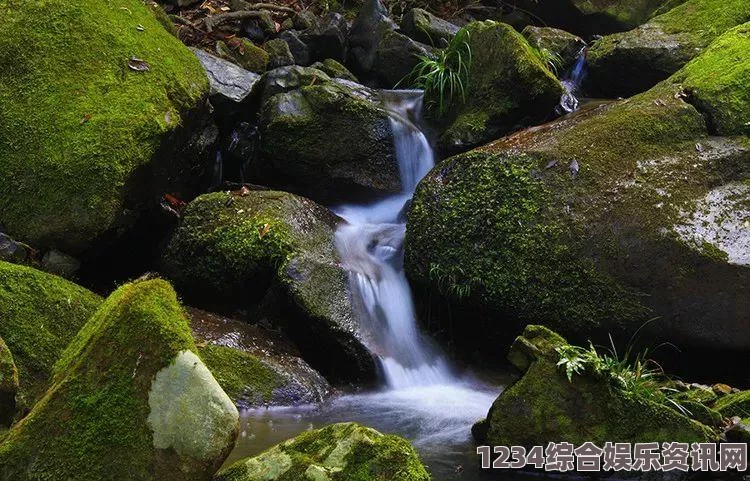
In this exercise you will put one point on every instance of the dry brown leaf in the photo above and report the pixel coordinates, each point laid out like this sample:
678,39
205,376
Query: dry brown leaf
138,65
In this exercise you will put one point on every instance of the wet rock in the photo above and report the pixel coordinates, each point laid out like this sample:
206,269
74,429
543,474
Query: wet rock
626,63
279,54
508,87
337,451
544,404
396,55
287,79
130,400
255,366
74,166
61,264
559,42
246,54
614,246
328,141
299,49
272,253
40,315
327,37
335,70
8,385
425,27
231,85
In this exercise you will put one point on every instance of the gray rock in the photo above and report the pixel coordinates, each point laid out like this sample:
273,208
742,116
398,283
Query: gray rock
61,264
425,27
335,69
279,53
285,79
327,37
566,45
13,251
300,50
230,84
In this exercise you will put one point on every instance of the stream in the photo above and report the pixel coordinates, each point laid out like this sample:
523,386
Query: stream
422,398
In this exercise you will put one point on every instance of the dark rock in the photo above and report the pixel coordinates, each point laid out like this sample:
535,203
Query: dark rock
59,263
544,404
395,57
299,49
231,85
244,53
304,20
279,54
286,79
335,70
255,366
371,24
272,253
327,37
425,27
328,141
12,251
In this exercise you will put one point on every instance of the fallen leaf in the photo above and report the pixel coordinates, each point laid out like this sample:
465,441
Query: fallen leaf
140,27
244,191
138,64
85,118
574,167
551,164
263,230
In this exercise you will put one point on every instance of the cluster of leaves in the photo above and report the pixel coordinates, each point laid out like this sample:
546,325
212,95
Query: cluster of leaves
551,60
444,75
448,283
633,373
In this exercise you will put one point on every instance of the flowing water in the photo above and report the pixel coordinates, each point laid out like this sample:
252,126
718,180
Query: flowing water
572,83
422,399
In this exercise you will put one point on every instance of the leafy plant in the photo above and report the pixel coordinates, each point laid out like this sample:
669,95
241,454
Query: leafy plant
553,61
449,284
444,74
633,373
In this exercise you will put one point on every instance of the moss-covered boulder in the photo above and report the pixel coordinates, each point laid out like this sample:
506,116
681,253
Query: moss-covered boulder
8,385
596,223
100,118
339,452
508,87
544,405
255,366
624,64
425,27
566,46
39,315
272,253
335,70
244,53
603,15
130,399
735,404
326,140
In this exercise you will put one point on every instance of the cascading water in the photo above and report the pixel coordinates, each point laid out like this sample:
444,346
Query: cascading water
571,83
371,247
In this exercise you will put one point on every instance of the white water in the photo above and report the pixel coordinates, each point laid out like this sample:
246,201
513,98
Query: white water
572,83
371,247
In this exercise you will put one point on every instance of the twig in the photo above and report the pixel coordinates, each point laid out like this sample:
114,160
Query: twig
213,20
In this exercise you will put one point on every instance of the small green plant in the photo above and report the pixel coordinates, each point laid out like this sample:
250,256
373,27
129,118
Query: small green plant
448,283
444,75
551,60
633,373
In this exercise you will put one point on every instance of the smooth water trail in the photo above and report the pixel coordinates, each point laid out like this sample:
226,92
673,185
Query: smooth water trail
371,247
572,83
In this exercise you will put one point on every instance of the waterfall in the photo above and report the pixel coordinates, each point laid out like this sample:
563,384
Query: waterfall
571,83
371,247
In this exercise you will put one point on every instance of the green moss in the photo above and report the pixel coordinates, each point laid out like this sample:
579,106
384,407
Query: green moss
544,406
163,18
716,82
242,376
508,86
628,13
91,424
338,452
736,404
245,54
39,315
8,371
335,69
76,121
704,19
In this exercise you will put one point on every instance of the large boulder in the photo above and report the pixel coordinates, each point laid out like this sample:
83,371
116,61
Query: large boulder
336,452
255,366
118,119
596,223
8,385
545,405
626,63
566,46
130,399
425,27
508,87
39,315
327,140
272,253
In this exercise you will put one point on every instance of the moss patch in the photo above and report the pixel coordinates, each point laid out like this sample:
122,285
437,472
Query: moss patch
76,121
339,452
242,376
39,315
91,424
737,404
